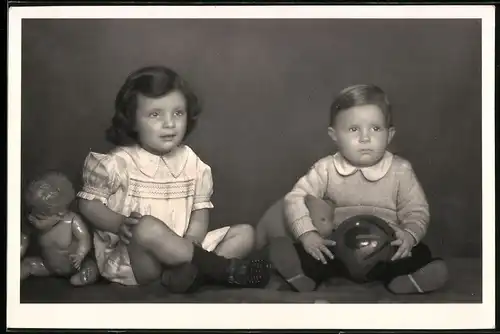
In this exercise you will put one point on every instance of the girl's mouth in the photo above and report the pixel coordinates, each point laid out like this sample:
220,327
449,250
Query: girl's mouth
167,137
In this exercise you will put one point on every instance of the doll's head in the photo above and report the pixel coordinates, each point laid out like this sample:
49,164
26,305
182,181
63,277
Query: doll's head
48,198
361,124
154,108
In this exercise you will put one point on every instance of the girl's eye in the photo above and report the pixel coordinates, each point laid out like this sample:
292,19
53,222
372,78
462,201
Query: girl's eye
377,128
154,114
353,129
179,113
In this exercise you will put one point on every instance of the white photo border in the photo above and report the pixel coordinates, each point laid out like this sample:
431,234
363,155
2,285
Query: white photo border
248,316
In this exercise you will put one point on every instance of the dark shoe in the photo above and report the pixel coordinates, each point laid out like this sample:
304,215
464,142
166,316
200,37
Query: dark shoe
429,278
248,273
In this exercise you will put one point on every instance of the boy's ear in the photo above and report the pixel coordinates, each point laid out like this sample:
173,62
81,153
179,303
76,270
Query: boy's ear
392,132
332,133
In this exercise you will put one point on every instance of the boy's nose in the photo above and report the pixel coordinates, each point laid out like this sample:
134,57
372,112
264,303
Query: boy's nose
364,137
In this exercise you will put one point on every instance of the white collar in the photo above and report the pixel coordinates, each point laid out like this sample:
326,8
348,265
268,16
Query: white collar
148,163
371,173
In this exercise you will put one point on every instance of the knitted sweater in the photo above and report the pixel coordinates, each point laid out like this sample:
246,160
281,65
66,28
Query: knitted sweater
389,190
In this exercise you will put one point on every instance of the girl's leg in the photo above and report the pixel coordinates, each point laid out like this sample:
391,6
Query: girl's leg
237,243
33,266
154,245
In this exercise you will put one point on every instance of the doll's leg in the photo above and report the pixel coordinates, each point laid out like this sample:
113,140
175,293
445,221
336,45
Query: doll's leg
88,273
286,261
238,242
419,273
152,239
33,266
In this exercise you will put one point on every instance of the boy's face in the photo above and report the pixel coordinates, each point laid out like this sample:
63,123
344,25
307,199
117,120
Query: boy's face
361,134
161,122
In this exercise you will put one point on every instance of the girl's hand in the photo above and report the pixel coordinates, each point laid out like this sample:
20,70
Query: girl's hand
315,246
124,231
405,241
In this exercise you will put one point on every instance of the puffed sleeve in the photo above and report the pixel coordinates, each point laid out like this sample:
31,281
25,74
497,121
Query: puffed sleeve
203,187
101,177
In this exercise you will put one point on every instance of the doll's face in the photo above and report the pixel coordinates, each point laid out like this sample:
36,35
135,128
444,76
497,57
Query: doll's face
161,122
44,221
361,134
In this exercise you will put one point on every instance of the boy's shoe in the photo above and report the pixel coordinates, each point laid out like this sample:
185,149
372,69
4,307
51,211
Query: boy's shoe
430,277
285,260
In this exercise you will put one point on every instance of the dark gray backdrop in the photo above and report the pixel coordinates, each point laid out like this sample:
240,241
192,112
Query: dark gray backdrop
266,86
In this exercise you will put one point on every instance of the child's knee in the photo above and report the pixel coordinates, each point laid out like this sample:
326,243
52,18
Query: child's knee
147,230
244,233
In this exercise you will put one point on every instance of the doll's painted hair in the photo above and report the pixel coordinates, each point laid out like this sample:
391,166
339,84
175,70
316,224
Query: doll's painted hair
359,95
151,82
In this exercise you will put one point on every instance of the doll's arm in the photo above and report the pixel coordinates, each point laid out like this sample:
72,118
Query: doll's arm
81,233
198,226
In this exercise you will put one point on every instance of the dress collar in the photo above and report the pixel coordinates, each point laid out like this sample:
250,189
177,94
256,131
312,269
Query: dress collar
148,163
371,173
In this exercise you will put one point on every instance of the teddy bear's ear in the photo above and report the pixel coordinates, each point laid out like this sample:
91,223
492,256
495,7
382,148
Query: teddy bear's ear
319,209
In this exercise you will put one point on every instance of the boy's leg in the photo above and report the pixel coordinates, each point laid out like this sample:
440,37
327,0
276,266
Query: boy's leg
154,245
419,273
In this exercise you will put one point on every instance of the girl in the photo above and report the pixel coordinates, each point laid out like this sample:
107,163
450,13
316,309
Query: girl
362,178
149,198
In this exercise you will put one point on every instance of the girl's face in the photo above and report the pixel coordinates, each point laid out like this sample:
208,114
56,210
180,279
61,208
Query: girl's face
361,134
161,122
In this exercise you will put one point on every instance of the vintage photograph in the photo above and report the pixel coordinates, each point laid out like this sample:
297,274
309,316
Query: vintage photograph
180,156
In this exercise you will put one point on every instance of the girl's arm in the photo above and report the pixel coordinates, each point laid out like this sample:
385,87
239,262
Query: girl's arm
198,226
100,216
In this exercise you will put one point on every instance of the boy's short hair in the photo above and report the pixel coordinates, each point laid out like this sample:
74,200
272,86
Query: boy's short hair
359,95
152,82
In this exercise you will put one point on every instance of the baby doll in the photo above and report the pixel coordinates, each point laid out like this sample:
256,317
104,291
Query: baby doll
25,242
63,237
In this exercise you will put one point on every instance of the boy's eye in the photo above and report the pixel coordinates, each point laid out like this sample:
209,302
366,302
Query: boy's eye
154,114
377,128
353,129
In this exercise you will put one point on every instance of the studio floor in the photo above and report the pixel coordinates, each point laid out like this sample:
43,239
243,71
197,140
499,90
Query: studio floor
465,286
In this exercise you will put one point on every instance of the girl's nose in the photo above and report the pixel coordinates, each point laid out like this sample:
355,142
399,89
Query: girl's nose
168,121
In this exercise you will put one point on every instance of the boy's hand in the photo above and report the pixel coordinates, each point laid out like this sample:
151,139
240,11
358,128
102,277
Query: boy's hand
124,231
315,246
405,241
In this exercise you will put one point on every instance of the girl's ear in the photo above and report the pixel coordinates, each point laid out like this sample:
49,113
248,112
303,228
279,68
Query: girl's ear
392,132
332,133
